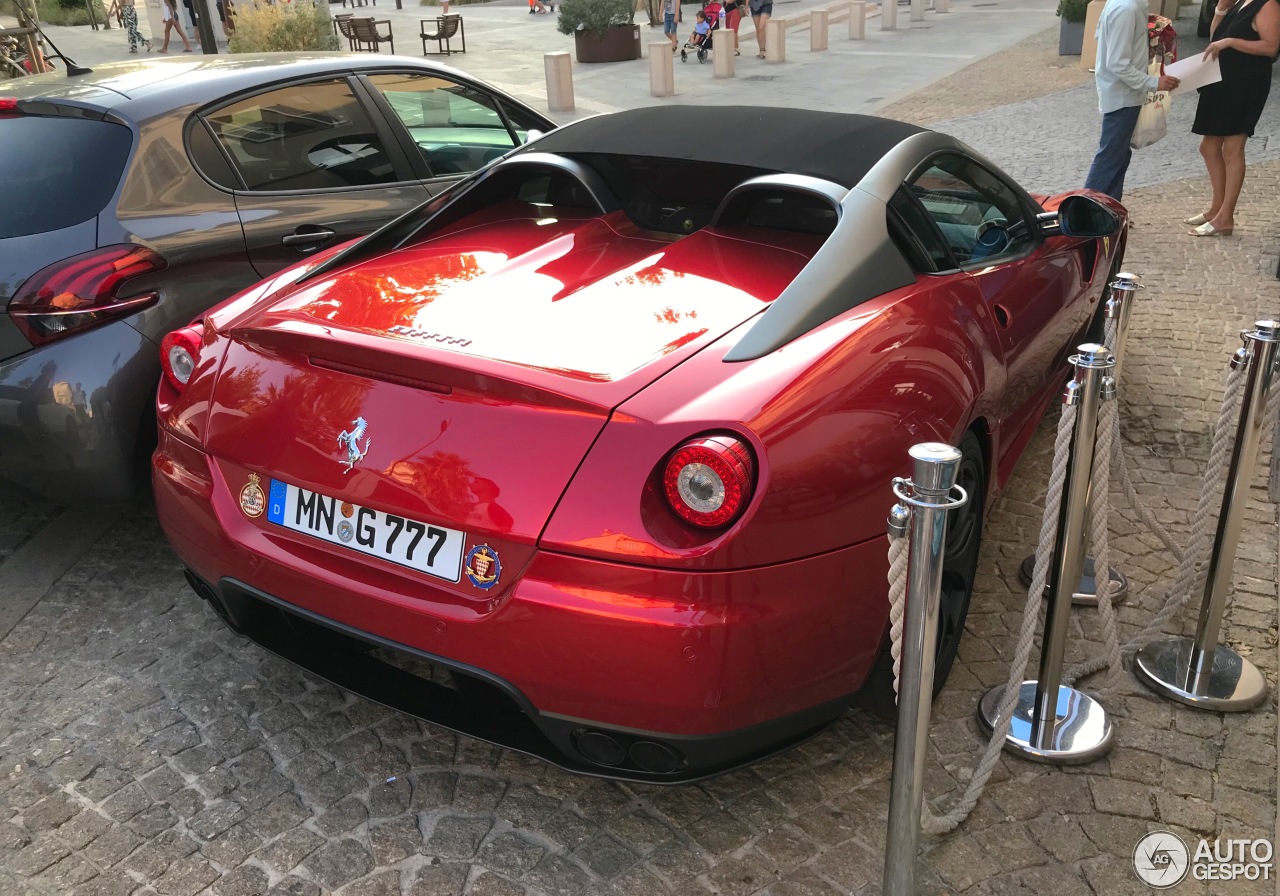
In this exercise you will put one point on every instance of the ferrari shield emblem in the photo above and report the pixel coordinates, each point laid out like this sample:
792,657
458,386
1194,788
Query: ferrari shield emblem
252,500
483,566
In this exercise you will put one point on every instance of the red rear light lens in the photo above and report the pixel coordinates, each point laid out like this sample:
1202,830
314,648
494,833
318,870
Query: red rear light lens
8,105
83,291
709,480
179,354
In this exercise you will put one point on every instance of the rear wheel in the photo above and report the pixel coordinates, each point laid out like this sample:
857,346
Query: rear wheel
959,569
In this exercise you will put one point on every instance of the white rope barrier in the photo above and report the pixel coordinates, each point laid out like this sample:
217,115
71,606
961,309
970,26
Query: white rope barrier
948,821
1120,466
898,556
1101,540
1190,579
1193,568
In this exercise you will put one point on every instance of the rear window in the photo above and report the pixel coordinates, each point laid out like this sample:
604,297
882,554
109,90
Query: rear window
58,171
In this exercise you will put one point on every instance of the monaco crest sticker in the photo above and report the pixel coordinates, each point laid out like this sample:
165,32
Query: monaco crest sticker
252,500
483,567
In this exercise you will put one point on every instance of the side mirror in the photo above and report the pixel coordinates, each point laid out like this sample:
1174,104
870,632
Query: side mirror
1080,216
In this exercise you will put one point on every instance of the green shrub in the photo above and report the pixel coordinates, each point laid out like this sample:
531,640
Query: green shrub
281,27
66,12
594,15
1073,10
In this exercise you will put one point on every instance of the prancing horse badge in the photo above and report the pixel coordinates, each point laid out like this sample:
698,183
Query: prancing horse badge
350,440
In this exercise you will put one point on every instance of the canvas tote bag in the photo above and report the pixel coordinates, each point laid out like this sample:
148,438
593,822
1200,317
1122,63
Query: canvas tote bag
1153,119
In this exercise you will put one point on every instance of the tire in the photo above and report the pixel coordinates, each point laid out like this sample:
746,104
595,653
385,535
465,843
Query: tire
1097,327
959,569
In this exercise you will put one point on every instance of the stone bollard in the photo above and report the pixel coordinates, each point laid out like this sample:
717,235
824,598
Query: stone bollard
858,20
917,10
722,52
819,20
559,67
775,41
1089,53
942,5
662,69
888,15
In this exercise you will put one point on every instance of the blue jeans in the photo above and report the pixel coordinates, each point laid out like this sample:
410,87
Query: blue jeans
1106,174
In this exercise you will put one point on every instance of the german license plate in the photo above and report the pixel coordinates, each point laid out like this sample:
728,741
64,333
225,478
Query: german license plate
435,550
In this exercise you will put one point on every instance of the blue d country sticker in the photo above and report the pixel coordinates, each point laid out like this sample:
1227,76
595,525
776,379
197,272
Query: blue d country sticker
275,504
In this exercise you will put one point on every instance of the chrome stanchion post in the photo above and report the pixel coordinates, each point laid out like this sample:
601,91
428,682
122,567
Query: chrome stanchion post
927,493
1201,672
1118,307
1051,722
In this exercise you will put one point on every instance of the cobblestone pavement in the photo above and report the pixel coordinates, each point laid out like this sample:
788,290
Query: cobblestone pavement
143,749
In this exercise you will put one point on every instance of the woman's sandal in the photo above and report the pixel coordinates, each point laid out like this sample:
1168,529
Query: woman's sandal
759,55
1195,220
1207,229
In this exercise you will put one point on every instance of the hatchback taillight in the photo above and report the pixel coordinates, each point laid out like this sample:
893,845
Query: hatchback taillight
709,480
179,354
83,291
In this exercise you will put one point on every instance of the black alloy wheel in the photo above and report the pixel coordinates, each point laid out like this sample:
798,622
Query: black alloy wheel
960,558
959,571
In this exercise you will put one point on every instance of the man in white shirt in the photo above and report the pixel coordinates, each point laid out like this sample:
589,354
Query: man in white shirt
1123,84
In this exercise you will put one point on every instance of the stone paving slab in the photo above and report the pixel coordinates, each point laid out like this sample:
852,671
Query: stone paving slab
144,749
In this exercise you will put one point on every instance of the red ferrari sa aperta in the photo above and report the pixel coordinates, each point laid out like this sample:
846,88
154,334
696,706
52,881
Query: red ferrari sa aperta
591,455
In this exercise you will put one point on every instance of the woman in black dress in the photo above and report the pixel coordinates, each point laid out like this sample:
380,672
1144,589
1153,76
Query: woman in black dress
1246,37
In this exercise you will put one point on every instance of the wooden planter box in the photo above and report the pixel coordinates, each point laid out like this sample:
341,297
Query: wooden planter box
619,44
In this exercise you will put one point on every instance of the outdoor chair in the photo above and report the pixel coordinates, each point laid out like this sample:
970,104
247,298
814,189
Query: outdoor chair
447,27
367,37
342,26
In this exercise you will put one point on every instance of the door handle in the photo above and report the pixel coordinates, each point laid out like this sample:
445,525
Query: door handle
312,239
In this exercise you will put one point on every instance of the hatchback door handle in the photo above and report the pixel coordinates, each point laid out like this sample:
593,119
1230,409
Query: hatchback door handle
310,238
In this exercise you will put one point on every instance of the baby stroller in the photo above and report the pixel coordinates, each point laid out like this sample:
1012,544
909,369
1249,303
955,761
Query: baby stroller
703,49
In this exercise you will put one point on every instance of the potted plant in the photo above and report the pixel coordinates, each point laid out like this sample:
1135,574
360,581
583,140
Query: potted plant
1071,28
603,30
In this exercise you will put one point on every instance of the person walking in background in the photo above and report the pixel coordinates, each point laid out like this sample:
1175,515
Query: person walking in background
1246,38
128,15
1123,83
670,16
171,23
733,18
760,12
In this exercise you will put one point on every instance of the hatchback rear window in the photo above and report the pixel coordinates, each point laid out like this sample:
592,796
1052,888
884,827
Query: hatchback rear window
58,171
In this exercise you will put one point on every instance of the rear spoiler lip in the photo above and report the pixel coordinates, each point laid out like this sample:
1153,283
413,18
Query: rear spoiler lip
400,359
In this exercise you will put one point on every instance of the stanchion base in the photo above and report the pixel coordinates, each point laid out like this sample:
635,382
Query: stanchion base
1234,683
1082,734
1086,593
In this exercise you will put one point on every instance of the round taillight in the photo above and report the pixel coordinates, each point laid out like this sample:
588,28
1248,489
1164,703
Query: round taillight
179,354
708,481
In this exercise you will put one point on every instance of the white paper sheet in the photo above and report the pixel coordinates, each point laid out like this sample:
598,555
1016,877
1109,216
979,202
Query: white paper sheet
1193,72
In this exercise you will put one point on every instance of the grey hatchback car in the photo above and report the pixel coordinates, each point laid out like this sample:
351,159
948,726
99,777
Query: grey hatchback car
141,194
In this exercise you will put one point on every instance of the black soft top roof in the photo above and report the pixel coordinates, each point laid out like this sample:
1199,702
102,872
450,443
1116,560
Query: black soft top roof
834,146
